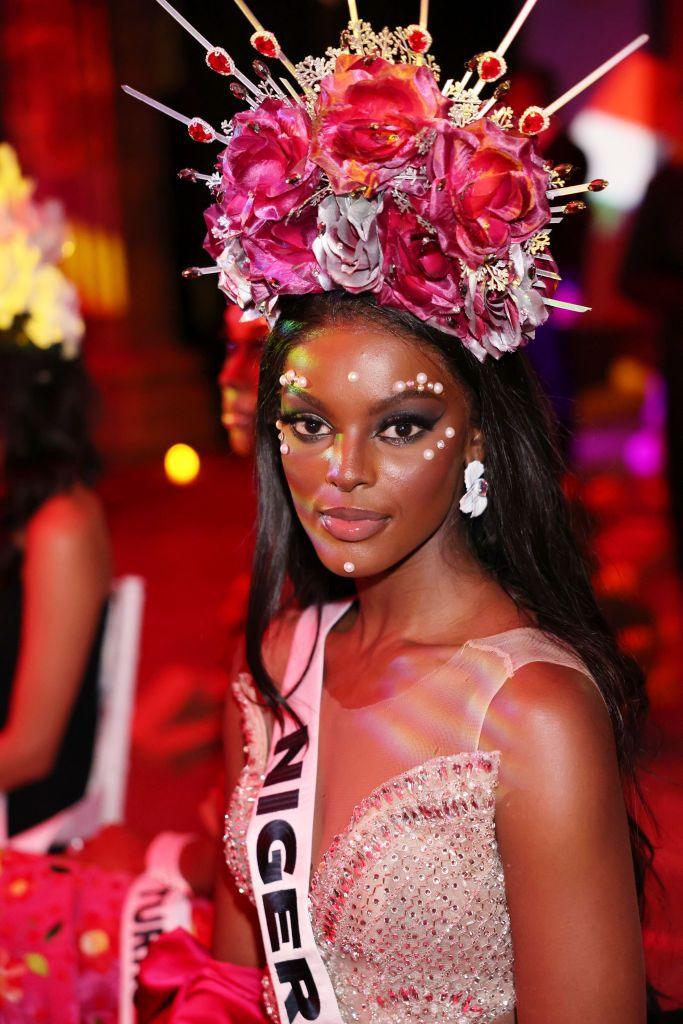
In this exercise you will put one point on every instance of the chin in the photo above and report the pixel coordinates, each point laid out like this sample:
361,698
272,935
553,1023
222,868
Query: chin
241,442
367,561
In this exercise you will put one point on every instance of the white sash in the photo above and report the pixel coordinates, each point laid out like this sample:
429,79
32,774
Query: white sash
279,840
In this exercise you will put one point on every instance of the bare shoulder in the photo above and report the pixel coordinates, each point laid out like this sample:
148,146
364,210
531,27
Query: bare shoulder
75,517
275,647
551,724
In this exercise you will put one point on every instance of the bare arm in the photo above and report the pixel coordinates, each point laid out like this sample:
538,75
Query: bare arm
563,837
66,578
236,935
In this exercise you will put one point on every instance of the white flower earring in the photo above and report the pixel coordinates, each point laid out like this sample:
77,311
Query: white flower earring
474,500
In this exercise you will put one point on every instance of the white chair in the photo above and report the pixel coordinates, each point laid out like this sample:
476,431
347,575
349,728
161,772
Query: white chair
104,799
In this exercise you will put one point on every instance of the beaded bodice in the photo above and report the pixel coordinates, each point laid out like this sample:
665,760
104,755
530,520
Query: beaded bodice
408,902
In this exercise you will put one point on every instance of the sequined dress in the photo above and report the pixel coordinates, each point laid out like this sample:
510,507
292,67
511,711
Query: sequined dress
408,900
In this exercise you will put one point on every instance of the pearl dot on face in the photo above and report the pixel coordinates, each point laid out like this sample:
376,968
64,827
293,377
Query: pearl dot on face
438,387
449,432
428,454
349,567
399,386
284,448
353,376
440,444
421,378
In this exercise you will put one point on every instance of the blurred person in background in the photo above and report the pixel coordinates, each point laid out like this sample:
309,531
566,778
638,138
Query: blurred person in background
238,379
55,573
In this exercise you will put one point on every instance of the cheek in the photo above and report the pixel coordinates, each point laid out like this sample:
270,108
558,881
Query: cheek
304,470
421,488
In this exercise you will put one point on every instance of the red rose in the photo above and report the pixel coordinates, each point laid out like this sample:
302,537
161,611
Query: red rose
368,116
266,169
417,274
488,190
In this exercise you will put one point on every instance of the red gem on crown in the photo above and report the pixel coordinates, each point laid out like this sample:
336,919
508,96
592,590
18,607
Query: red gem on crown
200,130
533,121
491,66
219,61
266,44
418,39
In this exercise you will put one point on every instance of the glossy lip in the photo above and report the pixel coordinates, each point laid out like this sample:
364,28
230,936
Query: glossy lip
352,524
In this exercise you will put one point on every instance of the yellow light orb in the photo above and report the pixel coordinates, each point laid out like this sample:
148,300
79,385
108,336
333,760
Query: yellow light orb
181,464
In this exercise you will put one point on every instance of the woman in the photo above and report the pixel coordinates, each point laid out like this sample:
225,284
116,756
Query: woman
439,729
55,572
428,585
238,380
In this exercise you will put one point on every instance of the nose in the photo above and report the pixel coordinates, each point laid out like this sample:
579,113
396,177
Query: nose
348,463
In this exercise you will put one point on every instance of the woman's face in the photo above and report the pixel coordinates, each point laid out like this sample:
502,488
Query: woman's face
238,379
373,466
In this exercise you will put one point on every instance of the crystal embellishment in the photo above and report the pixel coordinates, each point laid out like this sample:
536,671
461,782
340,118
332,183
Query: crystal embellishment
408,903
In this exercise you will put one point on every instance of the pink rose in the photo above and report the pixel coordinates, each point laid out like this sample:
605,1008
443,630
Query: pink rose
266,169
417,274
280,256
502,321
368,118
218,230
488,190
347,245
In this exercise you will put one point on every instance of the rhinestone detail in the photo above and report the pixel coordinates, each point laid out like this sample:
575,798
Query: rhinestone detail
408,903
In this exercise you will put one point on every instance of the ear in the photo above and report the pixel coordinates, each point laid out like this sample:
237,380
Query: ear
476,445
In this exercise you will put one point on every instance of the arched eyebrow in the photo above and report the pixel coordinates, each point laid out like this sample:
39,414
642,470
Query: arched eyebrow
385,403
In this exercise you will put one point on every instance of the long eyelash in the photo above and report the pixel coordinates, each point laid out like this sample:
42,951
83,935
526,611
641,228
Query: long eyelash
291,418
415,419
298,417
420,420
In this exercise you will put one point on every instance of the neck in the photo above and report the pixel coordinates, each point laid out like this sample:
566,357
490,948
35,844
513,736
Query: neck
438,591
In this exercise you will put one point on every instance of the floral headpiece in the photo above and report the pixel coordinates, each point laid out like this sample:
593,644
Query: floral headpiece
38,305
358,172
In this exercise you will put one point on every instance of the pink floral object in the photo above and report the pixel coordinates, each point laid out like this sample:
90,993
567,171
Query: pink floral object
281,256
502,321
267,170
417,275
11,973
347,245
488,190
368,118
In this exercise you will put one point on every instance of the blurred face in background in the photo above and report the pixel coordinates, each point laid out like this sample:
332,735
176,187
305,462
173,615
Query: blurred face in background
238,379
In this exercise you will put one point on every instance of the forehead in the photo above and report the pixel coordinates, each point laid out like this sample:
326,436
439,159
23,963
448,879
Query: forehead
329,354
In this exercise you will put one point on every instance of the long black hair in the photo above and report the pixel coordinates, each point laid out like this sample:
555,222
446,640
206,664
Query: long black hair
45,434
526,539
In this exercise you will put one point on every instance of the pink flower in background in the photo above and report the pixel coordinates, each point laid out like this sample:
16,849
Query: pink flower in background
368,118
417,274
11,971
266,169
488,190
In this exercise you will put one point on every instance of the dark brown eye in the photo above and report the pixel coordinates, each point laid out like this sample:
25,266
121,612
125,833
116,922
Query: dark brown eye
309,428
